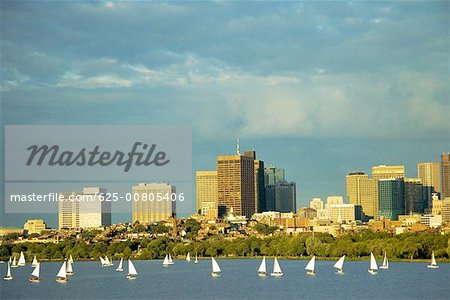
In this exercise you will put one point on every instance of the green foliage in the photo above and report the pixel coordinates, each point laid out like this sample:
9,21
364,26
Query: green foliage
403,246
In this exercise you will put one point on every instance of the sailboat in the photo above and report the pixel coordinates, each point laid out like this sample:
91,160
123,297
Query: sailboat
62,274
311,266
8,273
120,267
35,275
166,261
132,273
262,272
385,264
188,257
69,269
108,262
102,261
21,262
277,272
373,265
70,259
339,265
170,260
215,268
14,263
35,262
196,259
433,264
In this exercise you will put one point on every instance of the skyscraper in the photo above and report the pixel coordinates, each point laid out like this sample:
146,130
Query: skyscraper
360,191
285,196
415,202
153,202
445,168
236,184
260,192
430,174
272,175
206,191
391,198
84,209
384,172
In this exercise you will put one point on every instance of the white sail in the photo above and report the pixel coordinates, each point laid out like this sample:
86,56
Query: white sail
36,270
196,258
10,260
107,262
311,265
385,264
62,272
373,262
120,267
14,263
35,262
215,266
276,266
8,273
102,261
21,262
131,268
170,260
69,267
262,266
340,263
71,259
166,260
433,260
188,257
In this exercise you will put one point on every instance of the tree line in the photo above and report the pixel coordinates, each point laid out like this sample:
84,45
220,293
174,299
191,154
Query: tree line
356,245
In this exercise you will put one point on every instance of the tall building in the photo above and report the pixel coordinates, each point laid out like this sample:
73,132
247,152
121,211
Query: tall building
384,172
273,174
446,210
415,202
430,174
84,209
153,202
391,198
445,168
206,191
285,197
236,184
270,197
260,191
360,192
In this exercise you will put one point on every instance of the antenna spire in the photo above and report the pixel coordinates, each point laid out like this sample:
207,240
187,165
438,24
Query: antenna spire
238,152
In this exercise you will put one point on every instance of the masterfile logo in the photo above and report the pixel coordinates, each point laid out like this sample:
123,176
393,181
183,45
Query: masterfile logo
98,152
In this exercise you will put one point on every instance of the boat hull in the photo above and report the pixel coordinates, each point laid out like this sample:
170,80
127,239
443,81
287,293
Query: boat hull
62,280
215,274
131,277
261,274
433,266
276,274
7,278
35,279
373,272
311,273
119,270
383,267
340,272
69,273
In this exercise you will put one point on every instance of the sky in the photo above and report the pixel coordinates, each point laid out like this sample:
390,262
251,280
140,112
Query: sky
318,88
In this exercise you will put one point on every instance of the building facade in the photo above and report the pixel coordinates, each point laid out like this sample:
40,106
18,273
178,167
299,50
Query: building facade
236,184
206,191
384,172
391,198
153,202
85,209
35,226
360,191
415,202
445,169
430,174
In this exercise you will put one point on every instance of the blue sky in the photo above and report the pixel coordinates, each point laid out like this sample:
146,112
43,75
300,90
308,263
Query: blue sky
319,88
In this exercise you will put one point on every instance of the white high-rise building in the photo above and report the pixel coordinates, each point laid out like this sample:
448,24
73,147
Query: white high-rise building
84,209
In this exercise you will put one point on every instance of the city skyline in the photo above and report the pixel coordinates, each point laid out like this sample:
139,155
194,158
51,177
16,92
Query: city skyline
320,89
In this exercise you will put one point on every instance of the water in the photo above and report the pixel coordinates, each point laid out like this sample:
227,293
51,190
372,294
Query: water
238,280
